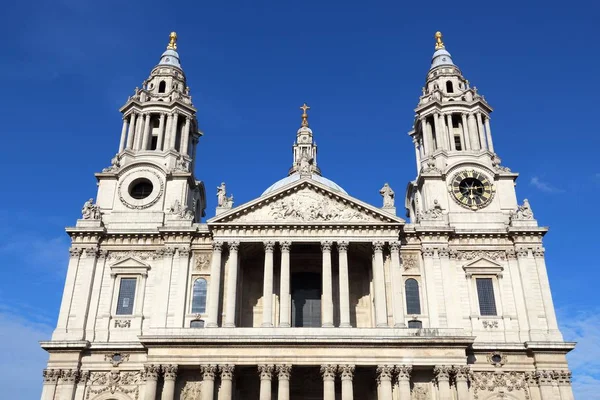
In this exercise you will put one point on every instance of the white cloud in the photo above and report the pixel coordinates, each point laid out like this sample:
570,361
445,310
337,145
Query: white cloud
543,186
22,358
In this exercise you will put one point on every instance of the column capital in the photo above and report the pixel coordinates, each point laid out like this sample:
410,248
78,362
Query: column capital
384,373
269,246
169,372
51,375
404,372
328,372
285,245
346,371
395,246
284,372
227,371
461,372
208,372
68,376
217,246
343,246
326,245
378,246
563,377
265,371
545,377
151,372
442,372
234,246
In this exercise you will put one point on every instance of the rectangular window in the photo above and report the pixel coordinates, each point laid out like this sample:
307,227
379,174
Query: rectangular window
126,295
457,142
485,293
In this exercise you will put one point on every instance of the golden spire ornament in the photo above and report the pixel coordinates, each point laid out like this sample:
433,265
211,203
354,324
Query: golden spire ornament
438,41
304,114
172,41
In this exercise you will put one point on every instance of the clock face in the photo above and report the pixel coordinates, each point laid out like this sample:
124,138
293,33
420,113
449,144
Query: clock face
472,189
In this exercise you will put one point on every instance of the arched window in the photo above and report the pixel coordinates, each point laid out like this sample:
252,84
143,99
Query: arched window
449,87
197,323
413,302
162,87
415,324
199,296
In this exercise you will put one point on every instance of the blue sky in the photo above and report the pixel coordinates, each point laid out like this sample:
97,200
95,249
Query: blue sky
68,65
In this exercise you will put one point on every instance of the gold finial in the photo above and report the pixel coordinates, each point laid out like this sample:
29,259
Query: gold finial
173,41
304,114
438,41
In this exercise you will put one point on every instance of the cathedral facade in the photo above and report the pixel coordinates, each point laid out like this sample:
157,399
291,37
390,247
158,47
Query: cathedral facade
307,292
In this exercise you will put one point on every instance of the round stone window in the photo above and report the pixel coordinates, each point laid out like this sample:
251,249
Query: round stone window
117,357
497,358
140,188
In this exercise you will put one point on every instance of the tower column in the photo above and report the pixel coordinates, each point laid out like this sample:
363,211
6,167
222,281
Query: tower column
404,372
284,286
328,373
450,132
123,135
396,275
344,285
173,133
265,371
347,372
268,286
442,374
384,381
226,390
215,283
481,133
185,137
168,131
379,285
417,154
474,138
169,375
232,285
161,132
146,137
151,377
327,299
488,134
426,136
208,381
283,380
139,126
465,132
131,134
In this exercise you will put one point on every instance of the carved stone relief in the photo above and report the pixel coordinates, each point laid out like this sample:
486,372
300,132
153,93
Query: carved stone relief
202,262
114,381
472,255
420,392
499,382
192,391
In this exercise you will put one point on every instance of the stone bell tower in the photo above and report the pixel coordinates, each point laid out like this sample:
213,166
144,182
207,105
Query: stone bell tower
150,182
460,181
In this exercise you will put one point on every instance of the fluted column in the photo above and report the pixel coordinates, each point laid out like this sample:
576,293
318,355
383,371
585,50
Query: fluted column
379,285
450,132
146,135
266,373
168,132
284,286
226,391
461,375
525,265
488,134
185,137
344,285
66,382
214,286
396,275
232,284
208,381
442,375
161,132
480,130
404,372
50,379
173,133
123,135
542,273
564,384
465,132
151,377
328,373
384,381
347,374
283,379
131,134
473,136
327,298
268,285
169,375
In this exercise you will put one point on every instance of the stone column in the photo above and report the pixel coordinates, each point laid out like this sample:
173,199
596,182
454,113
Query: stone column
379,285
208,381
344,285
50,379
384,381
81,384
480,130
327,297
534,387
213,287
168,132
396,275
347,373
151,377
473,136
268,285
404,372
450,132
226,392
417,155
185,137
465,130
232,284
442,375
161,132
139,127
169,375
283,379
123,135
131,134
432,306
513,267
66,382
524,266
328,373
563,379
284,286
461,374
546,379
266,372
488,134
542,273
145,137
67,297
173,133
82,290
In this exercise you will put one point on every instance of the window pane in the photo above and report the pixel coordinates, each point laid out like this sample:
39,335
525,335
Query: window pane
199,296
415,324
198,323
126,295
413,302
485,292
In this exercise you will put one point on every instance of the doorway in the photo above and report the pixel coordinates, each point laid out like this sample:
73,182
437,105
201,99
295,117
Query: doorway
306,300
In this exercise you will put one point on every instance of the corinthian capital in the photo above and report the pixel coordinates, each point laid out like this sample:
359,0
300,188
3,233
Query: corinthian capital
51,375
442,372
269,246
265,371
326,245
169,372
347,371
384,372
378,246
395,246
208,372
285,246
404,372
234,245
151,372
284,372
217,246
328,371
342,246
227,371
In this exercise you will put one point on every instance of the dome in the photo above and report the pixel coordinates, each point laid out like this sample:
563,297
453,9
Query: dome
170,57
441,57
296,177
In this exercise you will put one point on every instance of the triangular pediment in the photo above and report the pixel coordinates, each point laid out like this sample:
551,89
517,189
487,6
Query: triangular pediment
130,262
306,202
483,266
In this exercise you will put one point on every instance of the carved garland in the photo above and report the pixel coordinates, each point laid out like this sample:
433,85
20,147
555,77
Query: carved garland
499,381
114,381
